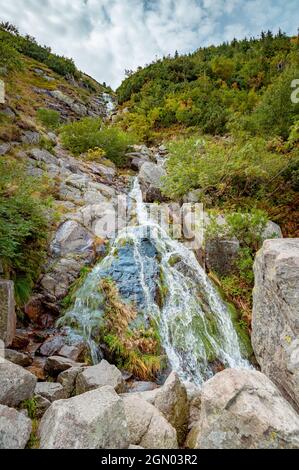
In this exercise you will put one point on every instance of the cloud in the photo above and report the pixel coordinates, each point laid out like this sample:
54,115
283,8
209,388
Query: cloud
105,37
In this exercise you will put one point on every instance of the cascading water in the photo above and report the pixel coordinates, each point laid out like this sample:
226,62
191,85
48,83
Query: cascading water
194,324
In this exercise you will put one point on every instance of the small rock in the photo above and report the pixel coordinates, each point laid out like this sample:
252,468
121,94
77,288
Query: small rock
41,406
4,148
94,420
16,384
76,352
139,387
50,390
7,312
98,376
52,346
20,340
68,379
30,138
15,429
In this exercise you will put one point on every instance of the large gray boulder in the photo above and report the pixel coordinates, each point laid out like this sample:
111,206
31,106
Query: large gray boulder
16,384
94,420
243,409
15,429
275,317
98,376
171,400
7,312
71,237
147,426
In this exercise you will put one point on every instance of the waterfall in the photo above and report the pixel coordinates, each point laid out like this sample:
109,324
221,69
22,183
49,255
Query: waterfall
194,323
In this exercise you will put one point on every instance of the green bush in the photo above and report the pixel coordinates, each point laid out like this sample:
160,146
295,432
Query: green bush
10,59
81,136
49,118
23,227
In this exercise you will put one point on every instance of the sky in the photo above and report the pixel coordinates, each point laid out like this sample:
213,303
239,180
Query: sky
106,37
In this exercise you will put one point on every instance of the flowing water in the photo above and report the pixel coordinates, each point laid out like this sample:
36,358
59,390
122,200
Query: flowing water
195,326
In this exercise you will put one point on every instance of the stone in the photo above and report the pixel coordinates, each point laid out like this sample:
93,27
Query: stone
275,316
272,230
30,137
41,406
16,384
20,340
74,352
98,376
243,409
61,275
147,426
50,390
4,149
42,156
140,386
71,237
150,178
172,401
21,359
94,420
68,379
57,364
8,317
52,346
221,255
15,429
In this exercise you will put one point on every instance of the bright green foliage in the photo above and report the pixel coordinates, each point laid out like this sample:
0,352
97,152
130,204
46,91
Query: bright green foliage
88,133
217,86
23,227
10,59
49,118
224,169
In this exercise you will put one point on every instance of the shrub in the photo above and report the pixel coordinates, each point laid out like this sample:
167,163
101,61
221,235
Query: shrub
89,134
23,227
49,118
10,59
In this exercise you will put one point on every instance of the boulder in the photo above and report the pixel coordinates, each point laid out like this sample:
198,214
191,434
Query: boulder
98,376
147,426
52,346
15,429
71,237
21,359
75,352
94,420
51,391
57,364
150,178
171,400
4,149
243,409
30,138
140,386
7,312
68,379
221,255
275,316
16,384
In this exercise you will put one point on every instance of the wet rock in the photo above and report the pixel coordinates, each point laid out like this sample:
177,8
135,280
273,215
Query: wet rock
147,426
243,409
50,390
15,429
75,352
21,359
94,420
16,384
98,376
275,319
7,312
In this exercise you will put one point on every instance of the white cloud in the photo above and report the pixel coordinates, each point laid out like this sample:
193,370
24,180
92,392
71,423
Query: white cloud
105,37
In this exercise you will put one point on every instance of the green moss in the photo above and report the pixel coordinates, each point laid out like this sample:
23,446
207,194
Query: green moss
242,331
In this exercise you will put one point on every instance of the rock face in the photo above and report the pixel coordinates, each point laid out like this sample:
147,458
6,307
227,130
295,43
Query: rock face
147,426
94,420
98,376
15,429
16,384
171,400
243,409
275,318
7,312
